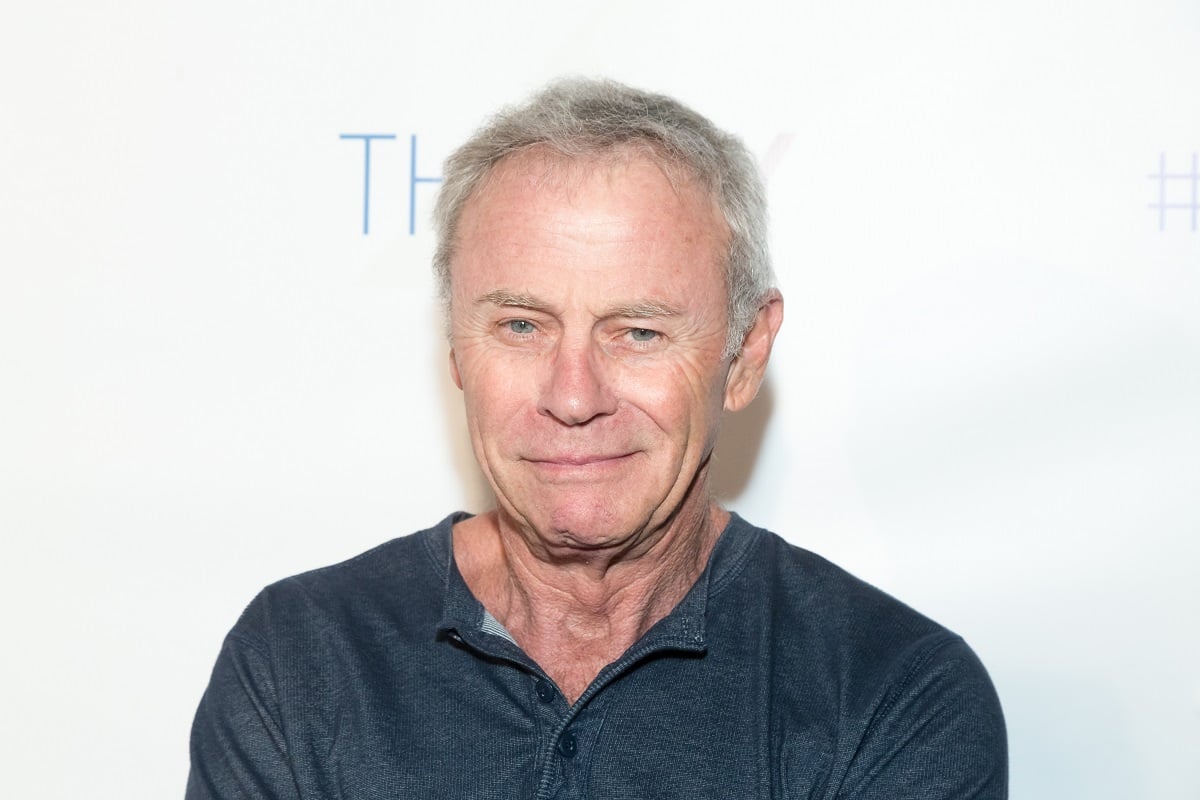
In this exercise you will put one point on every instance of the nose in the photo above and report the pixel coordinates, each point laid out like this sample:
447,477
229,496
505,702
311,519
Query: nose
576,388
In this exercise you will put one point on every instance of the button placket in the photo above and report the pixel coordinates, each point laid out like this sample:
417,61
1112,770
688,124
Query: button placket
545,691
568,746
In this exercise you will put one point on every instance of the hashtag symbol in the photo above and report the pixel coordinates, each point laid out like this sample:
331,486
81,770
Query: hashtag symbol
1163,177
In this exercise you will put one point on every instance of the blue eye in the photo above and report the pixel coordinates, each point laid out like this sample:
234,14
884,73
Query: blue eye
643,334
520,326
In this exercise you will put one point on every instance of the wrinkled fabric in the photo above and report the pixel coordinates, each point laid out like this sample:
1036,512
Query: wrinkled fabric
778,675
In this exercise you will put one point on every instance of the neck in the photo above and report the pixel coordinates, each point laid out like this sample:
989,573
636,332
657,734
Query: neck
575,613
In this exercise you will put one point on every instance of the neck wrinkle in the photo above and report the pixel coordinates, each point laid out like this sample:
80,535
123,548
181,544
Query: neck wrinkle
548,604
619,601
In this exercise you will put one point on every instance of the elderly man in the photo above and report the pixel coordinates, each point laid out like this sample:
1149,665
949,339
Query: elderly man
607,630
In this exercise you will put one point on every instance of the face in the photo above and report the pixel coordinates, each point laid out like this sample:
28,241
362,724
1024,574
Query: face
588,319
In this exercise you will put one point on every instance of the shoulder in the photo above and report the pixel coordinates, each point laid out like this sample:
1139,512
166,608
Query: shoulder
818,595
392,580
907,692
838,631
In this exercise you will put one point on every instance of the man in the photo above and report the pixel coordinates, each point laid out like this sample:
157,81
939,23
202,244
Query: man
607,630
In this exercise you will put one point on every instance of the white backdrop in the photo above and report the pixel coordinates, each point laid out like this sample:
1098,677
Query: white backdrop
985,399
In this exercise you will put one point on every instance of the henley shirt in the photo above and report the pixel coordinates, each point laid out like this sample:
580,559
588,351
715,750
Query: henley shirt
778,675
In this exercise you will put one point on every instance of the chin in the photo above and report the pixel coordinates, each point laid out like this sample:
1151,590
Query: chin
592,527
594,523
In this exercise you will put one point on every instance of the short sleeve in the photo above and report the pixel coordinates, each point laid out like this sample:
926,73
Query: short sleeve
237,745
937,734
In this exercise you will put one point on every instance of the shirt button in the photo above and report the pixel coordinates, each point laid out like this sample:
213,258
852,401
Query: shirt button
567,745
545,691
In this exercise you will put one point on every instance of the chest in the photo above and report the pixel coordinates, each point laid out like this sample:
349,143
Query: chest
670,726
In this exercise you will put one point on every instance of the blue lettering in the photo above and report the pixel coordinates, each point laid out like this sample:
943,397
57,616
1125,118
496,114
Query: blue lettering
367,137
414,179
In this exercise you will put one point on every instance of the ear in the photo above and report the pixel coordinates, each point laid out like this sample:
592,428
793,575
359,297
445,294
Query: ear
454,370
748,368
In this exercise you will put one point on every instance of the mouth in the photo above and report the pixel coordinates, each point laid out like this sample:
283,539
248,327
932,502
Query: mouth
580,462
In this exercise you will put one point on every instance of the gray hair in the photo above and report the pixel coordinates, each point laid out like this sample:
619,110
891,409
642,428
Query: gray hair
575,118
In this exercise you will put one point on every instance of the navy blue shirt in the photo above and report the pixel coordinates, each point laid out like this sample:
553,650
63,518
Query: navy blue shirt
778,675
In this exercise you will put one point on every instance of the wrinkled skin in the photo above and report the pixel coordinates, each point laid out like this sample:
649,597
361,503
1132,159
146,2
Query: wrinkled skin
588,323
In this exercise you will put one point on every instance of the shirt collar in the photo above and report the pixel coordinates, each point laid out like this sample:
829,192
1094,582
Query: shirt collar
466,620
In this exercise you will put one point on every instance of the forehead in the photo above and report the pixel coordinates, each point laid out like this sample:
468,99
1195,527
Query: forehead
619,199
543,164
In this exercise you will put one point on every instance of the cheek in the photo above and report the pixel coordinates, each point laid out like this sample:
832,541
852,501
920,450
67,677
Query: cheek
678,399
494,393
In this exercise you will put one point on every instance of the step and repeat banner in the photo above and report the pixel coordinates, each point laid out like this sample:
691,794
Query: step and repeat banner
221,359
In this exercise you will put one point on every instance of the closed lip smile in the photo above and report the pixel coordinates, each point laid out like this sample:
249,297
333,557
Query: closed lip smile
578,460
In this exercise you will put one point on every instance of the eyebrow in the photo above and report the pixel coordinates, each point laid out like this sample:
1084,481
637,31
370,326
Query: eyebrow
503,297
643,310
